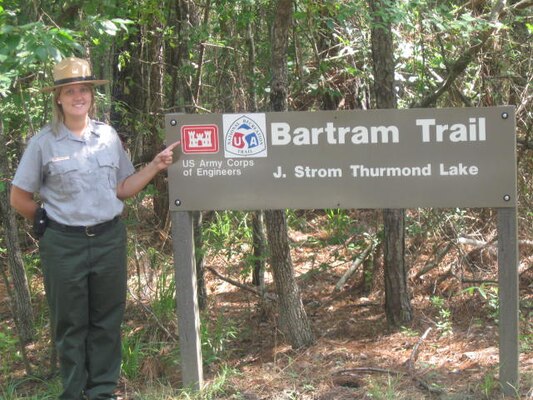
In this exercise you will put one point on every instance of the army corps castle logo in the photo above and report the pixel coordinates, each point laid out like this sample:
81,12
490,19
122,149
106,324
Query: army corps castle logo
245,135
199,138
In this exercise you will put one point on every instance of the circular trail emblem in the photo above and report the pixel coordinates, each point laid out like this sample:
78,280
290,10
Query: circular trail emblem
245,138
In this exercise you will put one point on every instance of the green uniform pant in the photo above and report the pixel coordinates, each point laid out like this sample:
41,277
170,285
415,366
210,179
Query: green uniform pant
85,283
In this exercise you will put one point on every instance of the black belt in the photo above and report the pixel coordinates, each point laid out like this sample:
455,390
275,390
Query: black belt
92,230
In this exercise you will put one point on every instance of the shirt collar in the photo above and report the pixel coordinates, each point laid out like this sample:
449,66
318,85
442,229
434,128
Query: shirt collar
65,133
93,128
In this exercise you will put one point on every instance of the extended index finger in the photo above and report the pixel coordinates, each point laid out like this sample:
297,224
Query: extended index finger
172,146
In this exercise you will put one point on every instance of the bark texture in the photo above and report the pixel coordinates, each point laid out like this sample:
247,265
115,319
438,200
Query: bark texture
397,303
292,316
18,288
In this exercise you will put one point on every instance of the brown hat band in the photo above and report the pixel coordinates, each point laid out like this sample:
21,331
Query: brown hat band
75,79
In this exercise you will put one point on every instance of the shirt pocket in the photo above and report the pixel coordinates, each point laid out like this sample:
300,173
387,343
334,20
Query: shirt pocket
109,167
64,176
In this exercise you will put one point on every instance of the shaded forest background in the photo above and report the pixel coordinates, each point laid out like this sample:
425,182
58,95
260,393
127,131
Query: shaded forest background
216,56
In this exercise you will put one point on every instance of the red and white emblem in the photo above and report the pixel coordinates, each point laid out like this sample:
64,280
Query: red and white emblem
199,138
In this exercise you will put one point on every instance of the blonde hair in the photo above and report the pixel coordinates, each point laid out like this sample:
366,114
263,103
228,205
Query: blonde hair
58,116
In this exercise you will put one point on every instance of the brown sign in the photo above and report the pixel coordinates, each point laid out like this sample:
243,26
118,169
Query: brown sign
460,157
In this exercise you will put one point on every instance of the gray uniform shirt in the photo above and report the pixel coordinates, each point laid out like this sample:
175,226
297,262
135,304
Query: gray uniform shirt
76,178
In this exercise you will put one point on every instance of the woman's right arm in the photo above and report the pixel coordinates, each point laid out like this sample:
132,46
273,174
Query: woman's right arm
23,202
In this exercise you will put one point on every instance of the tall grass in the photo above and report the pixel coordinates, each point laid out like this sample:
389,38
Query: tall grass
48,389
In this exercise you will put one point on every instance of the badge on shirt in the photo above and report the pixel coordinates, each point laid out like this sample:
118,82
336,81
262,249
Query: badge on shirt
60,158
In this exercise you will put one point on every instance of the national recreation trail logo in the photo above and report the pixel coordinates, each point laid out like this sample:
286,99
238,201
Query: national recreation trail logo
199,138
244,135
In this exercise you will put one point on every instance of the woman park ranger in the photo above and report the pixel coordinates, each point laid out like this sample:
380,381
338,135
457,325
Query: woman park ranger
81,173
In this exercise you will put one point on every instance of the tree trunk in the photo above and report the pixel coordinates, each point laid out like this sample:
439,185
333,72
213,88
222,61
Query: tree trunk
397,303
259,248
258,217
293,319
181,96
201,53
155,110
327,44
20,292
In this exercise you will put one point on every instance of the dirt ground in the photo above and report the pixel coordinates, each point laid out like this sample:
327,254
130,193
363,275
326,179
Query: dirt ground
448,351
356,356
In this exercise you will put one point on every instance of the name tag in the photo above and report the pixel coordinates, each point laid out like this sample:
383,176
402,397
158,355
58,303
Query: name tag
60,158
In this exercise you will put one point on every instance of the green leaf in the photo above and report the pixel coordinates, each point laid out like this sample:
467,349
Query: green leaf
41,53
5,29
66,35
55,53
109,27
122,23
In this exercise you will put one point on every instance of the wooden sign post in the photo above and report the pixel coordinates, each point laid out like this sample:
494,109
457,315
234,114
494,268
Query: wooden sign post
187,300
508,299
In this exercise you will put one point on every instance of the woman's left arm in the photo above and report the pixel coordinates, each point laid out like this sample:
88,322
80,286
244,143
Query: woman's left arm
133,184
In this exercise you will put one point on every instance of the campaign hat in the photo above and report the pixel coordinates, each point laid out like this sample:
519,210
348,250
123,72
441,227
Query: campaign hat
72,70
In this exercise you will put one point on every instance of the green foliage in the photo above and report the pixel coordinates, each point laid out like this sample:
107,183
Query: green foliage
218,388
228,233
50,389
444,316
27,47
134,350
489,293
297,220
216,336
489,385
409,332
99,27
9,350
388,390
433,35
164,302
338,225
32,264
156,281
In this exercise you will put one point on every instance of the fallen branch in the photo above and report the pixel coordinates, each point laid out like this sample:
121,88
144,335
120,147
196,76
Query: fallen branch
355,265
525,269
478,281
477,243
414,354
491,243
369,369
436,261
255,291
522,5
152,314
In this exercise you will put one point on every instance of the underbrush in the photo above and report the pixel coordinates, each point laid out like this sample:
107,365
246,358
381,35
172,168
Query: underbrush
449,351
